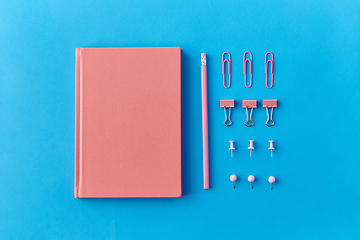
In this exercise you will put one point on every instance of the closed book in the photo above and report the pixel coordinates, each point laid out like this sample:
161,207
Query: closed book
128,123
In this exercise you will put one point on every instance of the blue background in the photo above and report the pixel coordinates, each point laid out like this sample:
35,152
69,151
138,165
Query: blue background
317,83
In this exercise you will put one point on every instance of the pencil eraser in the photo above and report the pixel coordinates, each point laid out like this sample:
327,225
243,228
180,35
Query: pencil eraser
203,54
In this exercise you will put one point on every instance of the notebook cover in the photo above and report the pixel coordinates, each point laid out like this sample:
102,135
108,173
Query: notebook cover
128,123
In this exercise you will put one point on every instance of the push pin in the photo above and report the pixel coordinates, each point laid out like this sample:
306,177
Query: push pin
227,104
251,147
231,147
251,178
271,148
233,178
270,104
249,104
271,180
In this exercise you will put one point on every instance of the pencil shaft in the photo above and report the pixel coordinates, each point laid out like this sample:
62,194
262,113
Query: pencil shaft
205,122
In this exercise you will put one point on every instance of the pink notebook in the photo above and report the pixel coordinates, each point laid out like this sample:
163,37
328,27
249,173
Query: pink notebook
128,123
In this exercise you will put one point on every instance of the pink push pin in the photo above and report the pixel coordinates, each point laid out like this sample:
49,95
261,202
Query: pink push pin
251,178
231,147
233,178
271,180
251,147
271,146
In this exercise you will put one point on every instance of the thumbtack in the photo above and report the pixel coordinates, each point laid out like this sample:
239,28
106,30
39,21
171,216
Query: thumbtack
251,178
233,178
271,146
271,180
231,148
251,147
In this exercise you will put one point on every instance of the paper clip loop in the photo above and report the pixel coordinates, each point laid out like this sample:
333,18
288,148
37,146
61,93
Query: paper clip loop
227,104
229,68
266,70
249,104
250,66
270,104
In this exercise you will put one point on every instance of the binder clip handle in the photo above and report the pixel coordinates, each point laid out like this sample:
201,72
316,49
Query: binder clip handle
272,121
227,119
247,118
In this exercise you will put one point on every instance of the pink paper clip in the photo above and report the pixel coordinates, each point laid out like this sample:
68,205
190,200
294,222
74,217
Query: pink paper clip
266,70
229,68
227,104
250,66
249,104
270,104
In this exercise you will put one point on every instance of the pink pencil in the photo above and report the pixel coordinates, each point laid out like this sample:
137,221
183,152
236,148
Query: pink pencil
205,121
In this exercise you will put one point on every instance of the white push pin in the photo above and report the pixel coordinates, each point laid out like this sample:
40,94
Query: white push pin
251,147
233,178
251,178
271,180
231,147
271,146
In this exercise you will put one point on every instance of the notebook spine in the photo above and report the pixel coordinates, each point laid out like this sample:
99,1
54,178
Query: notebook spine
77,124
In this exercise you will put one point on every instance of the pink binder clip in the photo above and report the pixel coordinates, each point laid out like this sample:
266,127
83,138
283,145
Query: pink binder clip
227,104
229,68
270,104
249,104
266,70
250,66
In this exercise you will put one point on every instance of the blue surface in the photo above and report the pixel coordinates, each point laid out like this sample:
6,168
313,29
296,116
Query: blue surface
317,83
